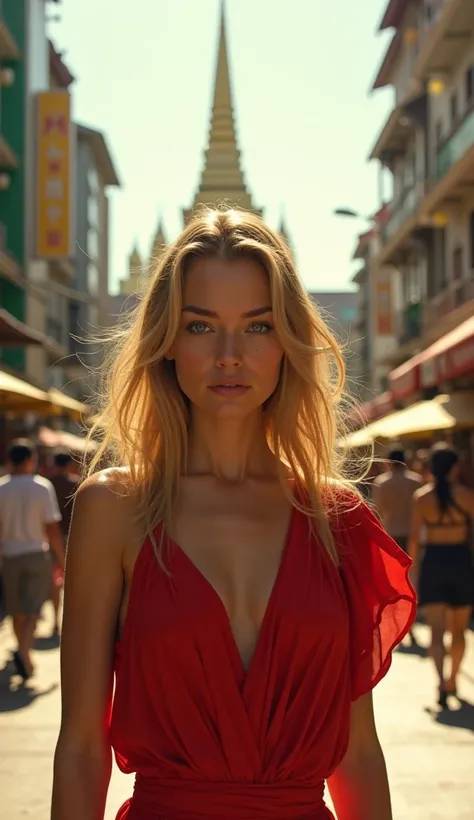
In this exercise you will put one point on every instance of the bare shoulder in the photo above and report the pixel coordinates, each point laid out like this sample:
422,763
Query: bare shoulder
422,493
466,497
381,479
110,487
415,478
105,502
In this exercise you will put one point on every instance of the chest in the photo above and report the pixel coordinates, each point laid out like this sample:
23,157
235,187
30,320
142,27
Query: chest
236,555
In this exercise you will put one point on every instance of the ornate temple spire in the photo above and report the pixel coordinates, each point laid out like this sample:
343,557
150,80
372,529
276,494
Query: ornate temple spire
284,233
159,243
222,179
135,278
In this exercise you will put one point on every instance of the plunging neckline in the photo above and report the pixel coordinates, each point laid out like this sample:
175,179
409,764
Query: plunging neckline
245,671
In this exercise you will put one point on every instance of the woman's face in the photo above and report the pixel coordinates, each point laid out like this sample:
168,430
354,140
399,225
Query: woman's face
226,352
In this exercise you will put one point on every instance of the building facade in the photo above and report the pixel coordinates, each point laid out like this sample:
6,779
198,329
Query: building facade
13,84
377,304
339,311
427,147
54,209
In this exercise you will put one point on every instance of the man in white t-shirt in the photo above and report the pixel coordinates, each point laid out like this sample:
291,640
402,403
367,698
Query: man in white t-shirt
29,527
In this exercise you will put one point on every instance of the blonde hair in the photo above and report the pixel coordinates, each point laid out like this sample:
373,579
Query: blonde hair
143,417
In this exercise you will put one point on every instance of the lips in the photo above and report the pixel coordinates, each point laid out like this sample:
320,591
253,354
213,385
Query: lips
229,390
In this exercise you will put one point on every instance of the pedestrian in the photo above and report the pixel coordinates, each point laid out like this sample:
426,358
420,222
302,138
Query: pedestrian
65,484
246,598
445,573
392,494
29,517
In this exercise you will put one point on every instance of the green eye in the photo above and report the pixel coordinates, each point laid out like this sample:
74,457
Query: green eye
197,327
259,327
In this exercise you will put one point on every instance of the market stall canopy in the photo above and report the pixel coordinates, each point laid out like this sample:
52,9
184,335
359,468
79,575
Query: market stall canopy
16,333
16,393
60,401
61,438
441,413
19,396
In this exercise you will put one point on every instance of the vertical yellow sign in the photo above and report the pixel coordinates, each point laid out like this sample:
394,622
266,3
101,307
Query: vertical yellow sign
53,240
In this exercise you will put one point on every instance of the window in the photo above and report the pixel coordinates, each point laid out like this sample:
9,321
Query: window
92,279
470,84
93,216
458,263
454,106
94,317
93,181
93,245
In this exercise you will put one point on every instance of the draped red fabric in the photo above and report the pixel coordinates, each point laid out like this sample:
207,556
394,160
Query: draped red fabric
208,739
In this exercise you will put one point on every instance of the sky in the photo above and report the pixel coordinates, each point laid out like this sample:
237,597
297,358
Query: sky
301,73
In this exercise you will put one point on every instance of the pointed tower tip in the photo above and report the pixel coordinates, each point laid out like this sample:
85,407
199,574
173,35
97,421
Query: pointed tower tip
222,178
159,241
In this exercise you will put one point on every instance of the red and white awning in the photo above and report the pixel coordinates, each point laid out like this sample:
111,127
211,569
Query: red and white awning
446,359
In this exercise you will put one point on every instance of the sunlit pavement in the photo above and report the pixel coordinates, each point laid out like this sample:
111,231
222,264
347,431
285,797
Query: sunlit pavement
430,755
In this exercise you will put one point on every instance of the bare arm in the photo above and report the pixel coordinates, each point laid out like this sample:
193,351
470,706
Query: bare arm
55,539
93,591
359,786
416,526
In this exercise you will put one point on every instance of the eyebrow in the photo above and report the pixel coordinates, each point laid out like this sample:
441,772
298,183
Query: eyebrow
250,314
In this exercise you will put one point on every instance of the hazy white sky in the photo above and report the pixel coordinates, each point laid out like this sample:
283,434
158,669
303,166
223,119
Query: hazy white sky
301,70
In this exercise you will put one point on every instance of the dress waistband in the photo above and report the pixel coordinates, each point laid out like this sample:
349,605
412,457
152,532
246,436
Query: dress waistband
158,799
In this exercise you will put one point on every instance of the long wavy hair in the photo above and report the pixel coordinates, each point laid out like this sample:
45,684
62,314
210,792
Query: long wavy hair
143,416
442,460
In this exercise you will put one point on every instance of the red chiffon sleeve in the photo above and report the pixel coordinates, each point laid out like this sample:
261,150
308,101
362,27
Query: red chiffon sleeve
381,599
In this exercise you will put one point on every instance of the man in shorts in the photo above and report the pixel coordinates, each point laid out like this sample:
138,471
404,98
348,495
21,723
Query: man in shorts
29,527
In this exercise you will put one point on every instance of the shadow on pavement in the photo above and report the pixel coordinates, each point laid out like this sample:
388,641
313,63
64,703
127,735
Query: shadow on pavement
16,694
461,717
413,649
46,644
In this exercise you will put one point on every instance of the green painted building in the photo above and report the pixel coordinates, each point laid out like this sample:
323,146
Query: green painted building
13,92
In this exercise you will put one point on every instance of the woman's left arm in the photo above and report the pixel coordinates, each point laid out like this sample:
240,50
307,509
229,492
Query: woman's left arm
359,786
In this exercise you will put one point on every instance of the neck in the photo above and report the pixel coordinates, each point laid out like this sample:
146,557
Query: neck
20,471
230,450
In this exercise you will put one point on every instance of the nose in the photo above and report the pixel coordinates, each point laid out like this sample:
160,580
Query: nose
229,352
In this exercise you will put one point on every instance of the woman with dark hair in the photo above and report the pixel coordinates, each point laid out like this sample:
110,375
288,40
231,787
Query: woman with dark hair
445,574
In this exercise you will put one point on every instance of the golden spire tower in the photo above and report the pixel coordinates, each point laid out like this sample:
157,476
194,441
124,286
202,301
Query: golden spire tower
222,179
133,283
158,245
284,234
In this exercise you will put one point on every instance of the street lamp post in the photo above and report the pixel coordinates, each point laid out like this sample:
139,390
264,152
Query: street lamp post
351,214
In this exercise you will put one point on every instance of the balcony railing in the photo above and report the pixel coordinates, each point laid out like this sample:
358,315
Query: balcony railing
402,209
458,298
456,146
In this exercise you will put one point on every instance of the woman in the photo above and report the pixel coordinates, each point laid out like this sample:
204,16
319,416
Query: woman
246,600
444,510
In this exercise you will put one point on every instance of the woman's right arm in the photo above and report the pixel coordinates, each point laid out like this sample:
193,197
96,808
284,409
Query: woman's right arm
92,597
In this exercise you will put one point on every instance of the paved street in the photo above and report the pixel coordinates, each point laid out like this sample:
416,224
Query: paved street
430,756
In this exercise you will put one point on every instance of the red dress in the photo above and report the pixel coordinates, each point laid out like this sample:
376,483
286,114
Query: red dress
209,740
